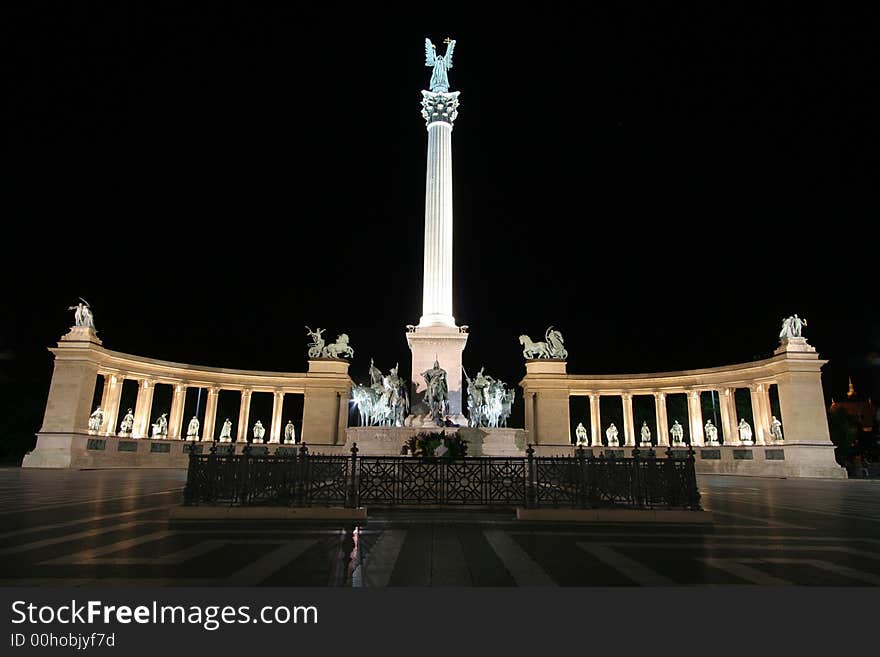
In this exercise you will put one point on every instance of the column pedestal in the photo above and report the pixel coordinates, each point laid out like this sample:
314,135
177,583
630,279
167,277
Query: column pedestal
444,344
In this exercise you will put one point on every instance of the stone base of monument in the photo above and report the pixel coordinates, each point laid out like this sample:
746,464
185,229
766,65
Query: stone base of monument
81,451
777,460
388,441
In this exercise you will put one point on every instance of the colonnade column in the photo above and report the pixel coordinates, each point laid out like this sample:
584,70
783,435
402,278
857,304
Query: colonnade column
210,414
595,422
758,392
112,393
175,422
244,415
728,415
662,421
629,434
142,408
277,406
695,417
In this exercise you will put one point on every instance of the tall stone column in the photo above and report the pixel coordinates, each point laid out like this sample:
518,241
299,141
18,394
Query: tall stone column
175,421
143,407
695,417
662,421
113,392
595,422
437,337
277,406
210,414
244,414
757,392
727,405
629,433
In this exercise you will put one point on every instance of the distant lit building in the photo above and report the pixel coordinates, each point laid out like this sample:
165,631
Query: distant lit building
863,410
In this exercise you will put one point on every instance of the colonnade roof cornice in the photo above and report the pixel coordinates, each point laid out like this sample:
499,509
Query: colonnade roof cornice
167,372
742,375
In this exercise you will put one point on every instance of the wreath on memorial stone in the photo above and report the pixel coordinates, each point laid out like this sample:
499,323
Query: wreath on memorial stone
424,445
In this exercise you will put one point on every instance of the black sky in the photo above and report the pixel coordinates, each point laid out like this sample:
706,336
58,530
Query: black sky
662,184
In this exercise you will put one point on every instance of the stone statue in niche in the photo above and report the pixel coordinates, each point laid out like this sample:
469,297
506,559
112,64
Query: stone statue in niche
677,433
289,433
127,424
745,432
711,434
645,436
581,434
226,431
96,420
611,435
192,430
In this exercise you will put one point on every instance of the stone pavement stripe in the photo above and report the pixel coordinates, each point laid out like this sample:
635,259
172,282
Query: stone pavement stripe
19,510
377,564
80,521
749,546
197,550
837,569
270,563
834,514
634,570
92,553
524,570
765,521
66,538
744,572
449,564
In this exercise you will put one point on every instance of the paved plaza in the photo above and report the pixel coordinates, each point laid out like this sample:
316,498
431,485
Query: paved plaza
103,527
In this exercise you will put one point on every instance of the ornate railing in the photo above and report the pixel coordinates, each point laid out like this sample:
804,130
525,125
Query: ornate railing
579,481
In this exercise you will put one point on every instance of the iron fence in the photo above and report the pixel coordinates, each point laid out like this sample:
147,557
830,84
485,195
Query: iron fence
578,481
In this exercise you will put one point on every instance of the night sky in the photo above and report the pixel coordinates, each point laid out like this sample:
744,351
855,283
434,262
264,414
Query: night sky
663,185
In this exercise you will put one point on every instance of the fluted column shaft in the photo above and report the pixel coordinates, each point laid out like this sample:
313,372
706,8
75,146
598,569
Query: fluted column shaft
277,406
210,414
113,393
695,417
244,413
728,415
175,421
595,422
143,407
662,421
629,433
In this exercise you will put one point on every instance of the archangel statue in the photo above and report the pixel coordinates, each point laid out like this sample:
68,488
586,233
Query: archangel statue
581,434
677,433
127,424
791,327
489,400
645,435
711,434
441,64
96,420
226,431
776,429
82,314
289,433
611,435
192,430
745,432
259,432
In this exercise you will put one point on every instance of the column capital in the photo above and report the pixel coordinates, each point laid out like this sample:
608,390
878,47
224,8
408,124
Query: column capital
659,394
626,395
214,390
439,107
693,394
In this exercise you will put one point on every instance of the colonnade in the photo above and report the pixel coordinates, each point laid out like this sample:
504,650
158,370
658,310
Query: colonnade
794,368
80,358
728,429
110,404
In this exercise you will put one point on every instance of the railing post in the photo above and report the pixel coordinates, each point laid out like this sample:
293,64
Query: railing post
693,493
244,474
301,474
581,476
354,478
636,478
531,497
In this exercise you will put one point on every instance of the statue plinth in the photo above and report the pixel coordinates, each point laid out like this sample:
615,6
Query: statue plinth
328,366
81,334
445,344
546,366
794,344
